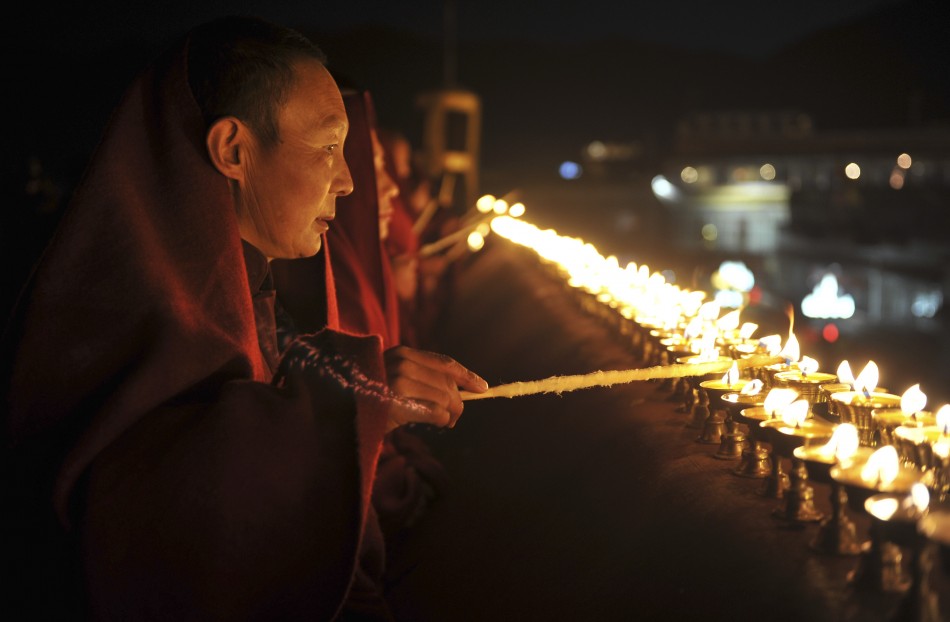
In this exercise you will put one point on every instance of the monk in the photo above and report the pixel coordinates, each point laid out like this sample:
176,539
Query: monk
162,460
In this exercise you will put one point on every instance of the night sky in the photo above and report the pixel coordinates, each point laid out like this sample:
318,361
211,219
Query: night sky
552,76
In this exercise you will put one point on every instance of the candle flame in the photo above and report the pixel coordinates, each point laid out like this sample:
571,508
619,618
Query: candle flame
943,419
866,381
745,332
776,399
845,374
772,344
942,448
919,497
732,376
485,203
883,509
791,352
808,365
694,328
843,444
709,311
728,322
753,387
794,414
882,466
913,400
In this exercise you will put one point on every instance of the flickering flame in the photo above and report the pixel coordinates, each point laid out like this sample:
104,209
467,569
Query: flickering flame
728,322
882,466
476,241
517,210
709,311
694,328
745,332
772,344
943,419
843,443
691,303
866,381
777,399
913,400
753,387
920,497
808,365
707,350
791,352
883,509
794,414
500,206
485,203
844,374
942,448
732,376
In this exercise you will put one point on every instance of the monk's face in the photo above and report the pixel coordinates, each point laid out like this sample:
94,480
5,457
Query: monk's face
386,188
288,195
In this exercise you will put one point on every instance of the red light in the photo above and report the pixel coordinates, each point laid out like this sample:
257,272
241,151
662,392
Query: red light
830,333
755,295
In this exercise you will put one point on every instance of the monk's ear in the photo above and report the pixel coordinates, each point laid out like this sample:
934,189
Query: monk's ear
227,142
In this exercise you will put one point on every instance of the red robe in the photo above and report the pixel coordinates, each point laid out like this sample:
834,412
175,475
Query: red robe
158,467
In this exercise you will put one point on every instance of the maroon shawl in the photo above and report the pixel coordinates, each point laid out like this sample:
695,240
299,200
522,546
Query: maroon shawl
163,471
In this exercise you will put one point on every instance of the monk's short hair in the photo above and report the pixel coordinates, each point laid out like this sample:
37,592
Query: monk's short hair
243,67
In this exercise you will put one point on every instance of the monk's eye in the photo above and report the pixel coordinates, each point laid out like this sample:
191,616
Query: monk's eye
331,148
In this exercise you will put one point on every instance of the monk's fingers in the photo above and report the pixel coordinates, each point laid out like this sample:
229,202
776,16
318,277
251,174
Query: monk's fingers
415,389
444,364
403,411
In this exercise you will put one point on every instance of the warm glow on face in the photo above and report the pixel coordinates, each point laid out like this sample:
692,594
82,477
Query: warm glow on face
753,387
747,329
777,399
794,414
882,466
852,171
791,351
485,203
867,379
844,373
732,376
913,400
808,365
843,443
516,210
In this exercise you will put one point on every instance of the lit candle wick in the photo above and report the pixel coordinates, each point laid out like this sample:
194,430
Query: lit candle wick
867,394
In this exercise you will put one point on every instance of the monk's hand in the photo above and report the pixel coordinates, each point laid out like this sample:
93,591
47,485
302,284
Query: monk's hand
431,383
